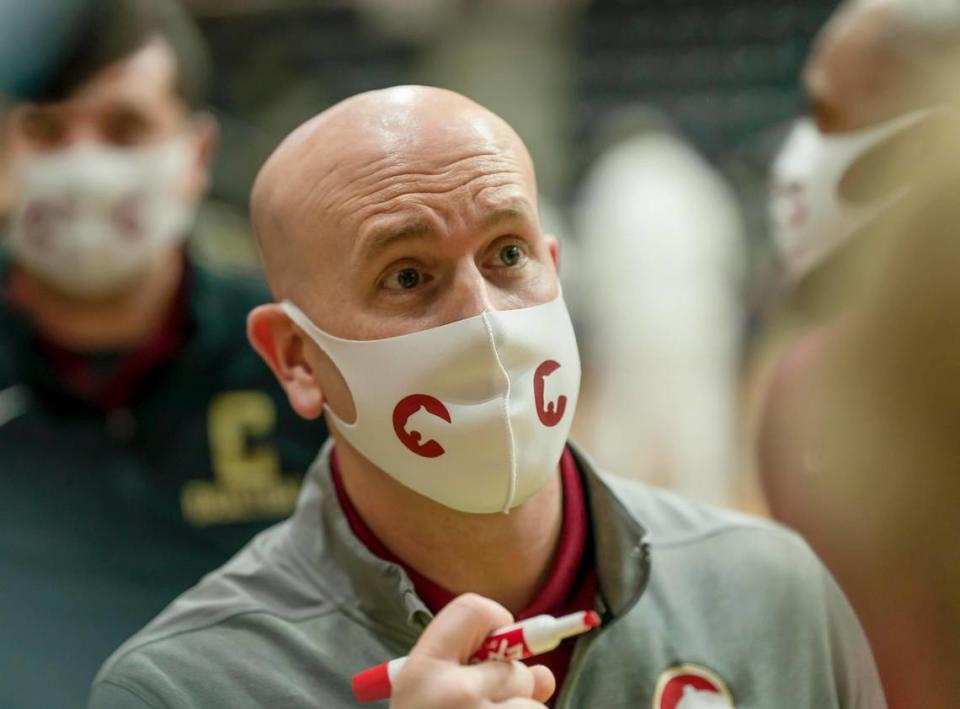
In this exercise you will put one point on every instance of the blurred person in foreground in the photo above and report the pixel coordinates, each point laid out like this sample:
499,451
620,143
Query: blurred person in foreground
880,79
663,389
421,313
875,79
141,443
867,432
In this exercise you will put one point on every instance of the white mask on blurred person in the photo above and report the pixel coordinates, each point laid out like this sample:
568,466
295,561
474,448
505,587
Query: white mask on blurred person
89,219
808,215
473,414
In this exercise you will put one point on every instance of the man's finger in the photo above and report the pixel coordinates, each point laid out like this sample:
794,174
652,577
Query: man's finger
499,681
519,704
460,628
545,684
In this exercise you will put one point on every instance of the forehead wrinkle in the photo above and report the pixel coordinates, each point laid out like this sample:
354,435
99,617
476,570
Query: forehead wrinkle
396,179
401,197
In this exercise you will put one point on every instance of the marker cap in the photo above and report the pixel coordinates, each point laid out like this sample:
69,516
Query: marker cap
373,684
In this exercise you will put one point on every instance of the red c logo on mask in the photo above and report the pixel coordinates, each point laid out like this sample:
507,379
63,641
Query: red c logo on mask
407,407
551,414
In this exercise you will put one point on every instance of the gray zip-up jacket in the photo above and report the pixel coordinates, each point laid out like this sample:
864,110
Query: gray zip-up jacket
702,607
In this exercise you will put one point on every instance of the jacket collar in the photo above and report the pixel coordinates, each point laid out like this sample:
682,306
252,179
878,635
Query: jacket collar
621,552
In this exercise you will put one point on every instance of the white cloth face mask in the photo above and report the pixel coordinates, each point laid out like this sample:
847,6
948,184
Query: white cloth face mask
809,217
473,414
90,219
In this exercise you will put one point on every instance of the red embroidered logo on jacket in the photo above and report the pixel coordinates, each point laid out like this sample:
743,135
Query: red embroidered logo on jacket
689,686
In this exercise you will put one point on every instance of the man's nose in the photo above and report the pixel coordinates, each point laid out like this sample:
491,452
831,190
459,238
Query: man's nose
82,135
471,294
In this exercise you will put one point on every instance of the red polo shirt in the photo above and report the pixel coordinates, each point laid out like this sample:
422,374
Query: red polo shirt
570,587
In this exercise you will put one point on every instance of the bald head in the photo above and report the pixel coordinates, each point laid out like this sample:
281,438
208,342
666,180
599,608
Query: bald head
382,166
876,59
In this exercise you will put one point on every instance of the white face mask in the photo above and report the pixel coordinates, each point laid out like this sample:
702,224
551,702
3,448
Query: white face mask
90,219
473,414
808,215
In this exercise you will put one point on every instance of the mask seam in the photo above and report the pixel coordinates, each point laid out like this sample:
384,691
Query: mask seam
512,486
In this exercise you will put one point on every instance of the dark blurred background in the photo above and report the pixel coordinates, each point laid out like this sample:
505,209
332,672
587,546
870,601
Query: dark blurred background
725,71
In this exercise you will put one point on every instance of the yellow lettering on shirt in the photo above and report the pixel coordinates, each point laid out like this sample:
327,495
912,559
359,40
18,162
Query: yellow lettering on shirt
248,484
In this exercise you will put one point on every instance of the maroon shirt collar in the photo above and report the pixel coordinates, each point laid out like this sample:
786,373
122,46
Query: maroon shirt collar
111,381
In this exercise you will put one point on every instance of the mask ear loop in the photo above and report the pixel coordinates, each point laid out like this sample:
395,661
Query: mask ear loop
512,484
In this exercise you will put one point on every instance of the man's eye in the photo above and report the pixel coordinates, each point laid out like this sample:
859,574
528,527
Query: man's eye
404,279
43,127
124,127
511,255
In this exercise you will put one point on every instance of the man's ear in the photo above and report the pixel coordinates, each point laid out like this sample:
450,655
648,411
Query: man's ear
283,347
204,136
554,247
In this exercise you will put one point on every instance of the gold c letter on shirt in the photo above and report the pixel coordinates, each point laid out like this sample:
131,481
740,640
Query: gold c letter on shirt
233,417
248,482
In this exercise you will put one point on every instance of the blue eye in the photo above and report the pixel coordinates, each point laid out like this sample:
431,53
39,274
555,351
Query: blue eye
511,255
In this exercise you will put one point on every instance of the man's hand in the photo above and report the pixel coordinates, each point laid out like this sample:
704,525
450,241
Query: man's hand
437,676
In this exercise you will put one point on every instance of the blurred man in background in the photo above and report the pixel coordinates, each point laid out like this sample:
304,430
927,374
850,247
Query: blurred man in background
665,385
139,435
879,79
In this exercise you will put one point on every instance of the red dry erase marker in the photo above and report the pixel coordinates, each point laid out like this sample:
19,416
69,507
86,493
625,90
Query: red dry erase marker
528,638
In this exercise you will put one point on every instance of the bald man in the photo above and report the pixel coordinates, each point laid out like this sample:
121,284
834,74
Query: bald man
420,312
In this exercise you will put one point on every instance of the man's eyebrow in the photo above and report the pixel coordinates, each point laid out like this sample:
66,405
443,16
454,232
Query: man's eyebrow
380,239
506,213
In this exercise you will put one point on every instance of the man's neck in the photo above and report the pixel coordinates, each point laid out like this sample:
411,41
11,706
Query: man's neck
118,322
505,557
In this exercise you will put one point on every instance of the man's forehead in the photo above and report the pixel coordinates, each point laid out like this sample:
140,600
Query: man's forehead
388,163
382,175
